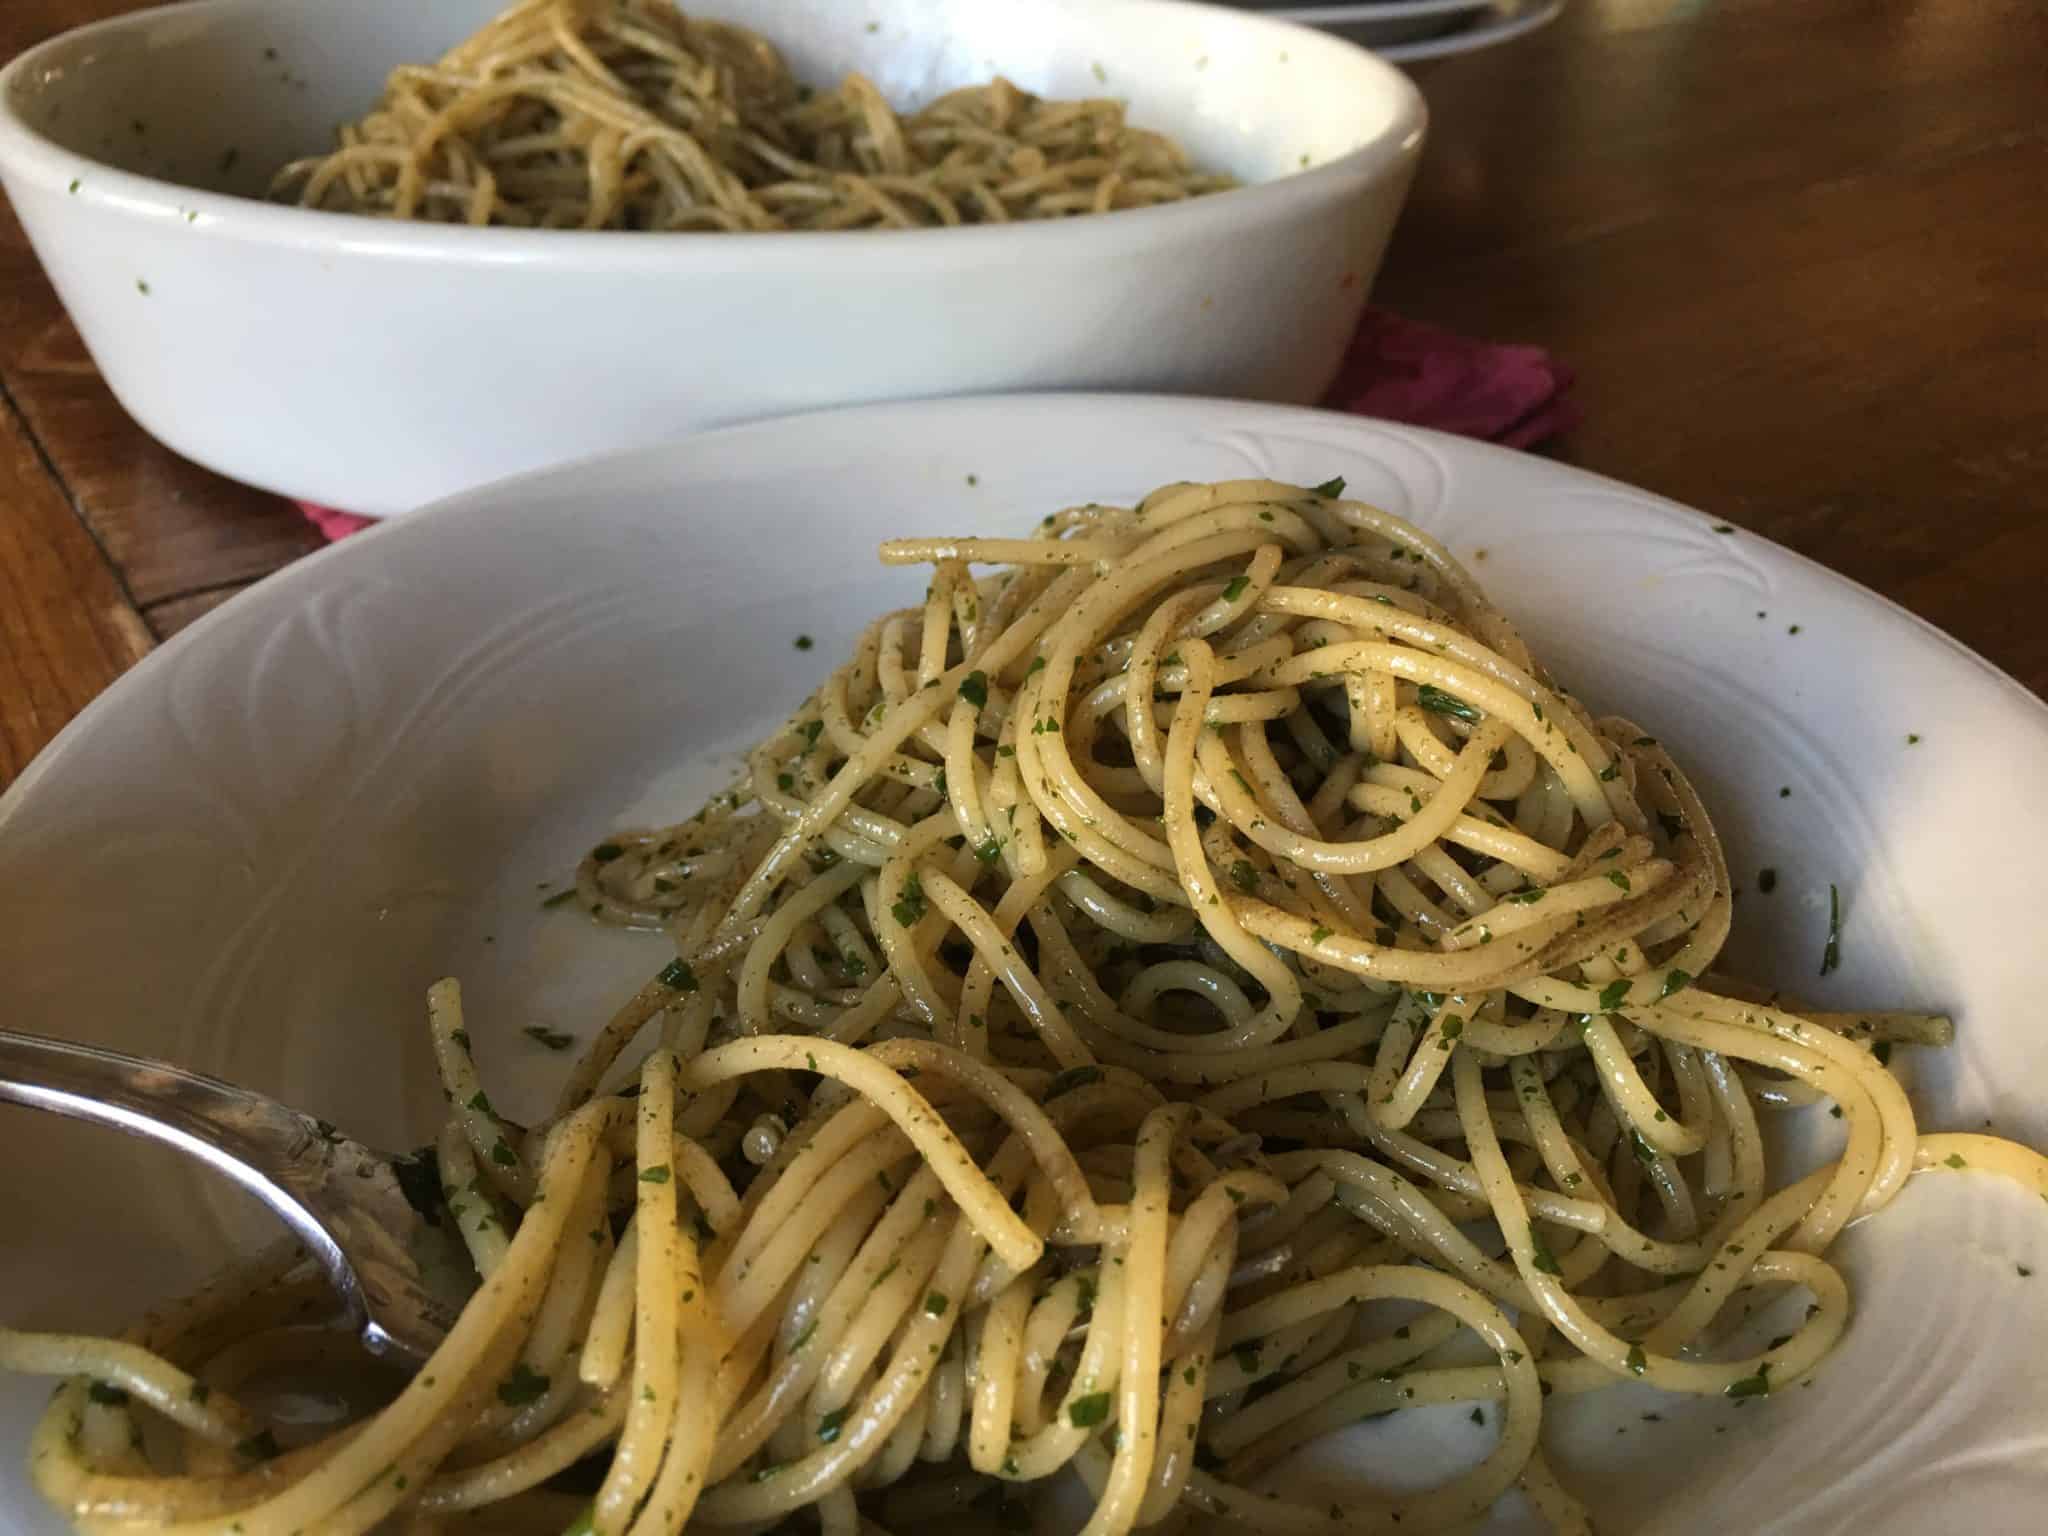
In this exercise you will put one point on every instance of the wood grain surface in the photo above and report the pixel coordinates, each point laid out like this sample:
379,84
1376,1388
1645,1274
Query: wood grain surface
1793,248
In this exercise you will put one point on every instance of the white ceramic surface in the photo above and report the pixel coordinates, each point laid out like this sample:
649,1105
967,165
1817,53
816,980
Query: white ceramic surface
1384,24
256,851
1501,22
372,365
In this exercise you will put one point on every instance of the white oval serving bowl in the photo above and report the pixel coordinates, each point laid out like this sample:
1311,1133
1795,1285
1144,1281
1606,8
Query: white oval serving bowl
374,365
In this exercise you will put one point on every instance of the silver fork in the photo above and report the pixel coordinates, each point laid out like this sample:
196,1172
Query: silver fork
372,1222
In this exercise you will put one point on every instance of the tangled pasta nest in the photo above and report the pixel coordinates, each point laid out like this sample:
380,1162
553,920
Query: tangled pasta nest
1194,988
625,114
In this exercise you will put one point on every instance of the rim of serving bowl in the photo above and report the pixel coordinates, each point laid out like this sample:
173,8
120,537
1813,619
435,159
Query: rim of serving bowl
25,151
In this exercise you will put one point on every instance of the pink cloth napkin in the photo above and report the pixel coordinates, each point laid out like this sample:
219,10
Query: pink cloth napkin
1398,370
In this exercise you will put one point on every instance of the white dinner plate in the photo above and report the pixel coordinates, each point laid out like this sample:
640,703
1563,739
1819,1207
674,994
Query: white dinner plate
1404,31
258,848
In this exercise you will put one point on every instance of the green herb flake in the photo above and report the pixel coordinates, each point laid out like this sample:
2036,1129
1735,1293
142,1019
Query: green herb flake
553,1039
829,1426
1437,702
1675,980
1331,489
1318,934
659,1174
678,977
804,642
935,1304
1072,1078
1831,952
909,908
1618,880
1087,1412
1637,1361
1954,1160
1614,994
1244,877
974,689
1541,1259
1758,1385
503,1155
1236,588
523,1386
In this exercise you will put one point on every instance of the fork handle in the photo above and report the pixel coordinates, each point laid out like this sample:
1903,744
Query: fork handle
240,1135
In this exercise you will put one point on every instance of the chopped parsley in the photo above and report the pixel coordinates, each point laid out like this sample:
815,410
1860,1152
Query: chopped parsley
974,689
1758,1385
910,906
678,976
828,1426
1331,489
1087,1412
1614,994
1831,952
804,642
658,1174
523,1386
1437,702
553,1039
1072,1078
1236,588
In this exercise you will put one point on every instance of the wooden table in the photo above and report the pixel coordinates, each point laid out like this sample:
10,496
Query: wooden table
1796,249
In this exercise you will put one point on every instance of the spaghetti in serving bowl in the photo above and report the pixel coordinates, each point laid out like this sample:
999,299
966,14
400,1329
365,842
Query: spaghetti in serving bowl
1131,969
630,114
